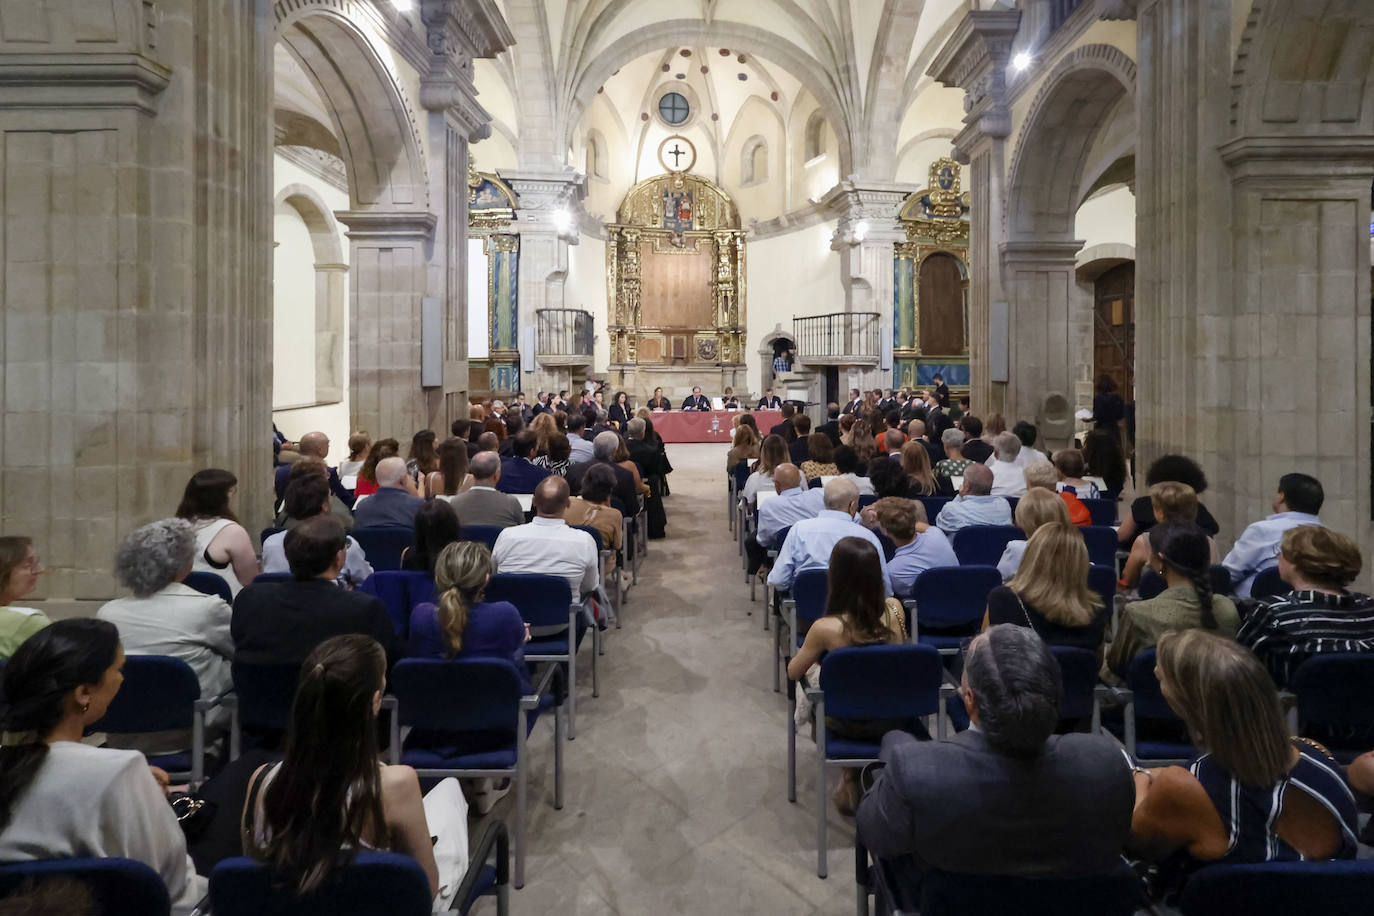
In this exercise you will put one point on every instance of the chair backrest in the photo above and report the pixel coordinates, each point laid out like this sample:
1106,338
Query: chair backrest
1335,689
543,600
982,545
933,505
882,682
946,894
779,538
158,694
265,693
1280,888
1101,542
1150,584
482,534
1140,678
1079,670
267,533
1012,502
400,590
948,596
457,695
384,544
262,578
119,887
810,590
1268,584
596,536
889,546
375,884
1102,579
867,499
207,583
741,474
1102,511
815,484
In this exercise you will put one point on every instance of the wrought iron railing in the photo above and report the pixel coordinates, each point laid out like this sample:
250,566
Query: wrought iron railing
563,332
836,338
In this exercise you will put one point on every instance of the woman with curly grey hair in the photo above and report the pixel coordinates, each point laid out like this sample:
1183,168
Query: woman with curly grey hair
166,617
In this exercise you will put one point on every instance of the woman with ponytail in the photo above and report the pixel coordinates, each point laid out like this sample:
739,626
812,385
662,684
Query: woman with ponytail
462,624
1182,554
61,798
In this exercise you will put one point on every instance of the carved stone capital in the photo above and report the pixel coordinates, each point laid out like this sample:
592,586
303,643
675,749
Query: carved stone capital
544,194
395,225
975,60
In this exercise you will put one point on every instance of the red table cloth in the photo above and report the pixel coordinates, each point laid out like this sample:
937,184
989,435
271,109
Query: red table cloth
708,425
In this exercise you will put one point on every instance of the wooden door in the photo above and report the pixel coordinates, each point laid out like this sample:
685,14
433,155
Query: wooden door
940,306
1114,328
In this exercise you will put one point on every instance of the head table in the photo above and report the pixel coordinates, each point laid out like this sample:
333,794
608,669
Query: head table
708,425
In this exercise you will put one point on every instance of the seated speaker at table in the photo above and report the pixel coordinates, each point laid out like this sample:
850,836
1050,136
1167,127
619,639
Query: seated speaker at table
697,401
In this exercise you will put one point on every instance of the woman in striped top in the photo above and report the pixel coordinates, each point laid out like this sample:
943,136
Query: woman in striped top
1320,614
1255,794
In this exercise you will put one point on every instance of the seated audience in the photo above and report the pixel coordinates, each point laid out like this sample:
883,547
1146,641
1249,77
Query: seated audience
547,545
1103,456
800,447
452,477
794,502
1256,794
621,456
313,467
856,614
483,503
166,617
358,445
848,462
974,505
422,460
831,426
862,442
1169,468
1050,593
593,508
1297,502
1321,615
954,462
820,460
280,623
518,473
487,442
19,572
919,432
223,547
809,543
893,440
1041,475
1182,554
558,457
1037,508
436,526
916,464
309,497
330,793
1171,502
644,455
394,503
976,448
745,446
785,427
1007,796
1008,475
515,424
381,450
920,546
1069,464
888,478
604,448
772,453
61,797
316,445
1027,434
579,446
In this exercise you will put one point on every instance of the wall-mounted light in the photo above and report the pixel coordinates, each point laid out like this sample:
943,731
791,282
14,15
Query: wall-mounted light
403,6
562,221
861,230
1021,61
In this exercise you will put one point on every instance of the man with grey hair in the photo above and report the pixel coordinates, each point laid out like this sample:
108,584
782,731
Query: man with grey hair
974,505
809,543
483,503
314,445
603,447
392,504
642,453
1057,805
1008,478
953,463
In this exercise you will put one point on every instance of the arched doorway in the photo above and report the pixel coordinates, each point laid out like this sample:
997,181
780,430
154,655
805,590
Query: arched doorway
1114,327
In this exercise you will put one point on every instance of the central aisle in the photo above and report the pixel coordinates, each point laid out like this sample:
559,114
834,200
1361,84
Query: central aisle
675,787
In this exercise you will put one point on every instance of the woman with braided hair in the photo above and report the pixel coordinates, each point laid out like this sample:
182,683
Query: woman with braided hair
61,798
1182,554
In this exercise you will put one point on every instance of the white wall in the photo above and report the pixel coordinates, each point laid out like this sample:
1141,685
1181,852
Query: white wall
585,288
792,275
1108,217
479,318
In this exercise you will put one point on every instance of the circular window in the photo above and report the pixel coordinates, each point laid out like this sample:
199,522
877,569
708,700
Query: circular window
673,107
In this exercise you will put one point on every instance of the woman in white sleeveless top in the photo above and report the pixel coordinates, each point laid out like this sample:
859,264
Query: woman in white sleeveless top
223,547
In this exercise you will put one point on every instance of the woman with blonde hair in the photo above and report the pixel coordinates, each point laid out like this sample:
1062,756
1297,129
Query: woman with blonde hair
545,427
358,444
916,464
772,453
1050,593
1172,503
862,442
1036,509
1256,794
745,447
452,477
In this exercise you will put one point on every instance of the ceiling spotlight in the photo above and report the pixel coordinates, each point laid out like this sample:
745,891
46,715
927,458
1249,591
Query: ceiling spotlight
403,6
1021,61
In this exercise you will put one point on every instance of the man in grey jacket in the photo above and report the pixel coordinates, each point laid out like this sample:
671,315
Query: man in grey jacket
1007,796
483,504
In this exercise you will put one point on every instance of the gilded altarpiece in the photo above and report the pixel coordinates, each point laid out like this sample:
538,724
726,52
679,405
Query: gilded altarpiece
930,288
491,210
675,276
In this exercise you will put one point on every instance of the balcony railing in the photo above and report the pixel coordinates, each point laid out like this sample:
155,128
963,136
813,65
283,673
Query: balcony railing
841,338
564,336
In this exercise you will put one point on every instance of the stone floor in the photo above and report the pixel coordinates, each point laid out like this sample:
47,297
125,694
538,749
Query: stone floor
675,788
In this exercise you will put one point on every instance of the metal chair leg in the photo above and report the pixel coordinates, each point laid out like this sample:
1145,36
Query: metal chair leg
520,767
821,800
791,741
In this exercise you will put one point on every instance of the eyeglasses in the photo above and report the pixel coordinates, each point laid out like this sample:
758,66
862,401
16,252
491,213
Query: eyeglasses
32,564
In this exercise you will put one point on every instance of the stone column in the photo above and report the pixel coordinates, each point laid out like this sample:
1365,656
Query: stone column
137,272
865,237
331,282
1050,324
975,60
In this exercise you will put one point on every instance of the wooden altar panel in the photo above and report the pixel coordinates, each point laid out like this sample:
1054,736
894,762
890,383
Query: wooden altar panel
675,289
940,305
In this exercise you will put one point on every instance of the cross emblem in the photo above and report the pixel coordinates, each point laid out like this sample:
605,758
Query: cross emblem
675,152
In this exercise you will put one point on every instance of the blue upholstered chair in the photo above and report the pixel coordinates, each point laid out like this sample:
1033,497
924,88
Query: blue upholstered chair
384,544
982,545
1336,696
1102,511
610,594
468,718
1142,701
118,887
950,598
161,693
207,583
933,505
374,884
264,578
261,700
482,534
1101,542
1280,888
1267,584
1078,668
1102,580
400,590
804,605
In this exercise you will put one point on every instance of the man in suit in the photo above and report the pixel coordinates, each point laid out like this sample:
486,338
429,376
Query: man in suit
280,623
798,448
941,391
314,445
831,427
392,504
697,401
786,429
769,401
1056,804
644,455
483,503
856,402
603,447
518,473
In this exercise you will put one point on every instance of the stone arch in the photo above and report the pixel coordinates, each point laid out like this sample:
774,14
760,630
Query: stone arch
1052,148
598,158
331,278
753,161
813,139
375,125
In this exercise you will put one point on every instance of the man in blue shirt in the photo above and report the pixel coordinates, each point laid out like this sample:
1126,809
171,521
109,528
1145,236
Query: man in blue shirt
792,504
974,505
1297,502
810,541
919,546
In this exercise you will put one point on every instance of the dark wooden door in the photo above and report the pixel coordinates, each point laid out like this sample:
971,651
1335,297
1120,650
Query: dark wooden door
1114,328
940,305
